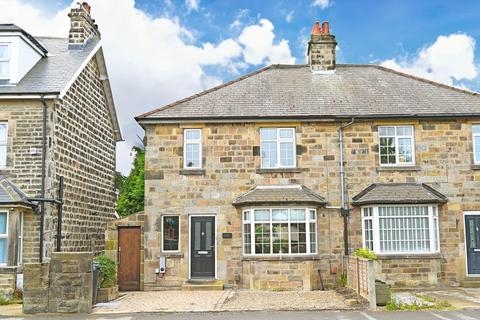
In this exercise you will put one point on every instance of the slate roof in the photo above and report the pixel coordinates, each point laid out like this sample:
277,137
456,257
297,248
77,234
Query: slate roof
52,73
398,193
10,194
275,195
292,91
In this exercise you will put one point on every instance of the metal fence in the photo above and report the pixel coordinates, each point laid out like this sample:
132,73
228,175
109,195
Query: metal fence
361,277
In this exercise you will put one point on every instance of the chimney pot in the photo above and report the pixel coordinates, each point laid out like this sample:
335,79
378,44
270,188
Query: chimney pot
325,27
316,29
86,7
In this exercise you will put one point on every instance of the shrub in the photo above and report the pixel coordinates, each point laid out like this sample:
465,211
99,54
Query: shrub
108,271
365,253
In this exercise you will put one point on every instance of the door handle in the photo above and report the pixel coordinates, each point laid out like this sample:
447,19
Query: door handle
476,250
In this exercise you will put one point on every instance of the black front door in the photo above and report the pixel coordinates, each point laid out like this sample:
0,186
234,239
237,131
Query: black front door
202,247
472,231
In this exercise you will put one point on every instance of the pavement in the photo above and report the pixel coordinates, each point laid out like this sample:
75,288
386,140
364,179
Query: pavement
279,315
460,298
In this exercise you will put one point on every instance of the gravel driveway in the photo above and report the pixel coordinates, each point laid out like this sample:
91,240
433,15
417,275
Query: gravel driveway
227,300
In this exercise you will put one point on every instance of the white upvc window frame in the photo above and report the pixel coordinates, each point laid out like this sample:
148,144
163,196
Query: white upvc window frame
192,142
397,153
20,240
308,220
278,141
475,135
5,236
179,232
433,223
4,143
7,59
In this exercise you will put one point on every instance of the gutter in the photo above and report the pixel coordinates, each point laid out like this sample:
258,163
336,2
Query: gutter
343,206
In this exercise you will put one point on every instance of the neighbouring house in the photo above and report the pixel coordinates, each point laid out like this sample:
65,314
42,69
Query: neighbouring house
266,181
57,119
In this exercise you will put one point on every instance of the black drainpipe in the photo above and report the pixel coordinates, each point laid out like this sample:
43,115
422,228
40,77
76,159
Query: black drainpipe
42,184
343,203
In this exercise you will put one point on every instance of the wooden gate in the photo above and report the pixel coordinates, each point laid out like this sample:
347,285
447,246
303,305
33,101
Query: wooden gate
129,258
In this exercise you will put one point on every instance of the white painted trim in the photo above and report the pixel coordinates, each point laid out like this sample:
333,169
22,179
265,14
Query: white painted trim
5,235
307,222
397,155
30,43
7,59
179,232
376,230
465,214
196,141
475,135
20,242
278,141
190,242
27,96
80,69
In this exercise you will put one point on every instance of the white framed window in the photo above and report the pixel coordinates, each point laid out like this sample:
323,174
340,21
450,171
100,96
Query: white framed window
3,237
171,233
3,143
476,143
192,148
396,145
402,229
277,148
4,61
279,231
20,241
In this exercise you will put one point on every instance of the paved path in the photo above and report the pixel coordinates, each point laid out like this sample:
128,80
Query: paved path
279,315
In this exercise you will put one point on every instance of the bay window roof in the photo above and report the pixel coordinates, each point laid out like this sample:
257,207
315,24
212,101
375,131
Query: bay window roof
10,194
398,193
279,195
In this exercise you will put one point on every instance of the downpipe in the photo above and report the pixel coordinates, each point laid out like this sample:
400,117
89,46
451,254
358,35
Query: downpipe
42,183
343,206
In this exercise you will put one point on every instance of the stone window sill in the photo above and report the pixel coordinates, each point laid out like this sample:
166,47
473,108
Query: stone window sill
280,258
278,170
192,172
409,256
475,167
172,254
399,168
8,269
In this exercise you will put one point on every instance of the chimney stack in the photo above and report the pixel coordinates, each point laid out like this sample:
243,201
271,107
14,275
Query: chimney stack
82,26
321,49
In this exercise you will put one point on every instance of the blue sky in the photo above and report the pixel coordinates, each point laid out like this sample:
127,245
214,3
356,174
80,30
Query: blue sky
159,51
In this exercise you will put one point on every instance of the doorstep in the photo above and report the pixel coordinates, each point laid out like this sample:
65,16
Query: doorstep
203,284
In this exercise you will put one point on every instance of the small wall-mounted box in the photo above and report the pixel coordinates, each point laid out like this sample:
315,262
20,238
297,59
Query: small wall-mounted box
163,264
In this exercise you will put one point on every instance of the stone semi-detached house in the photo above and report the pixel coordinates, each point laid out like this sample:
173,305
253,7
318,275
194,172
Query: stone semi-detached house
253,182
57,119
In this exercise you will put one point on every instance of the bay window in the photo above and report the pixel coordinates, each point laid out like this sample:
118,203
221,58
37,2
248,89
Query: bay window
277,147
4,61
396,145
280,231
401,229
3,237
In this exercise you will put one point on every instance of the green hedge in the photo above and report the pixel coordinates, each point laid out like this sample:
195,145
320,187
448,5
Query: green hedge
108,271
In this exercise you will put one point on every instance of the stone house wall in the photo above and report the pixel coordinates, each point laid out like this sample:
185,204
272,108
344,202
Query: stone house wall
84,153
231,165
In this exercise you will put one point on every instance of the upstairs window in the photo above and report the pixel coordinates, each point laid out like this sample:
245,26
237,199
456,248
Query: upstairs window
277,147
396,145
3,144
192,148
476,143
4,61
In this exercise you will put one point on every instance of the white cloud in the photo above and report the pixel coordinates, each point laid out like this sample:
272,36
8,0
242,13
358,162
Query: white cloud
237,23
289,17
192,5
151,61
322,3
449,59
259,47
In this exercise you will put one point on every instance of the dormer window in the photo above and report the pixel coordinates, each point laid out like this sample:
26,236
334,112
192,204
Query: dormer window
4,61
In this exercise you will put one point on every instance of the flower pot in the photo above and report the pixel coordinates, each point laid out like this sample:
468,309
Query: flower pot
107,294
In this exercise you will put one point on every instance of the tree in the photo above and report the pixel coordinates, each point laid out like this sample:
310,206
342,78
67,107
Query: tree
119,181
131,198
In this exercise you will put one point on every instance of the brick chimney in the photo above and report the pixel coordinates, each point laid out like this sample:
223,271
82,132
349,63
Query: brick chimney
82,26
321,49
